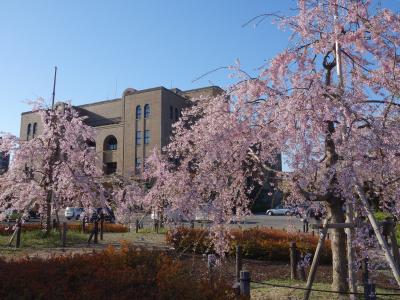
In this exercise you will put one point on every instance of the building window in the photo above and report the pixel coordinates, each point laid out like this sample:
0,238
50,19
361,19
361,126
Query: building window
146,111
171,112
176,114
138,137
110,143
138,165
111,168
147,137
34,129
138,112
28,131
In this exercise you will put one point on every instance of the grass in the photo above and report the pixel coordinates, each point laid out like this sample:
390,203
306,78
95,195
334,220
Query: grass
36,240
260,291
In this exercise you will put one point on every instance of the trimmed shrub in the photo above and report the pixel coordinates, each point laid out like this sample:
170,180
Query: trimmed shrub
130,273
257,243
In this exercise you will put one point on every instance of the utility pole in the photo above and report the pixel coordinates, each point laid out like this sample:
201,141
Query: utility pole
54,87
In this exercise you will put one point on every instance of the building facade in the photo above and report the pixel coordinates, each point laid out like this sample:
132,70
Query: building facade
130,127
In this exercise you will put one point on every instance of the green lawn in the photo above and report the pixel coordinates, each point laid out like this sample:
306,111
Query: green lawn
36,240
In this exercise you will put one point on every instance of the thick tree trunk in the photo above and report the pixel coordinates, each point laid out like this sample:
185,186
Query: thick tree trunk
338,242
48,212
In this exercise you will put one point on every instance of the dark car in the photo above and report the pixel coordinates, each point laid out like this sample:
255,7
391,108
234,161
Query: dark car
107,213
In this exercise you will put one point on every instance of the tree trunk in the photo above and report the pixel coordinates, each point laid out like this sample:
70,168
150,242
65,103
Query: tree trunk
338,242
48,212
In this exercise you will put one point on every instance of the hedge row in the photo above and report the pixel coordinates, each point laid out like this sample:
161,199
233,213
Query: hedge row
108,227
130,273
257,243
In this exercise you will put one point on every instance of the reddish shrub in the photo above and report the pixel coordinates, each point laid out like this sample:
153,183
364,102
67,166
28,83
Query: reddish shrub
257,243
131,273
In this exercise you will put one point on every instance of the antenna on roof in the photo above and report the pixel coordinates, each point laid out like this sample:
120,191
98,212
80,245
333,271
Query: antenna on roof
116,85
54,87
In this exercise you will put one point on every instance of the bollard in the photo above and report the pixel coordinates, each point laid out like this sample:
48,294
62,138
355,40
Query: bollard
365,277
245,283
293,260
137,226
239,262
313,233
372,291
369,291
64,235
192,224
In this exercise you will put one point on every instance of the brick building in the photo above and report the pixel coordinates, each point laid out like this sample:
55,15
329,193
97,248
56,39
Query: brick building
128,128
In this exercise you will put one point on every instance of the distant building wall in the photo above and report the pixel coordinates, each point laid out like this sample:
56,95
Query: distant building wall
125,139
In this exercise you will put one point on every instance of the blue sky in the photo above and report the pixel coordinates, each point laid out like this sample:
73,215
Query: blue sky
102,47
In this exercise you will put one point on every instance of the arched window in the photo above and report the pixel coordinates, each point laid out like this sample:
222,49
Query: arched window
34,129
138,112
146,111
28,131
110,143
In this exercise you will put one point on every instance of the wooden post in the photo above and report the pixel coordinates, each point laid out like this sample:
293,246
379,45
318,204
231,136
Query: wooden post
239,262
314,265
64,235
211,261
293,260
393,243
245,283
19,229
101,226
378,234
300,268
83,224
350,251
96,232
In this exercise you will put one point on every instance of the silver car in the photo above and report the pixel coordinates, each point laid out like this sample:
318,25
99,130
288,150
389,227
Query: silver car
280,211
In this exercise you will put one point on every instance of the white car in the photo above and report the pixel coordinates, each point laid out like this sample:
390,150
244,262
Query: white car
73,213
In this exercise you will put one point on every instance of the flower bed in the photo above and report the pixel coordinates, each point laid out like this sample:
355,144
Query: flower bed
131,273
257,243
108,227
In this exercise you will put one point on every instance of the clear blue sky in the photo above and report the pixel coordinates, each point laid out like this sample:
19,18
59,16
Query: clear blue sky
103,47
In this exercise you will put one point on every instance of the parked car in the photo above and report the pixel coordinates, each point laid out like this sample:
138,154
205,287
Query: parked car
13,215
280,211
73,213
107,213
